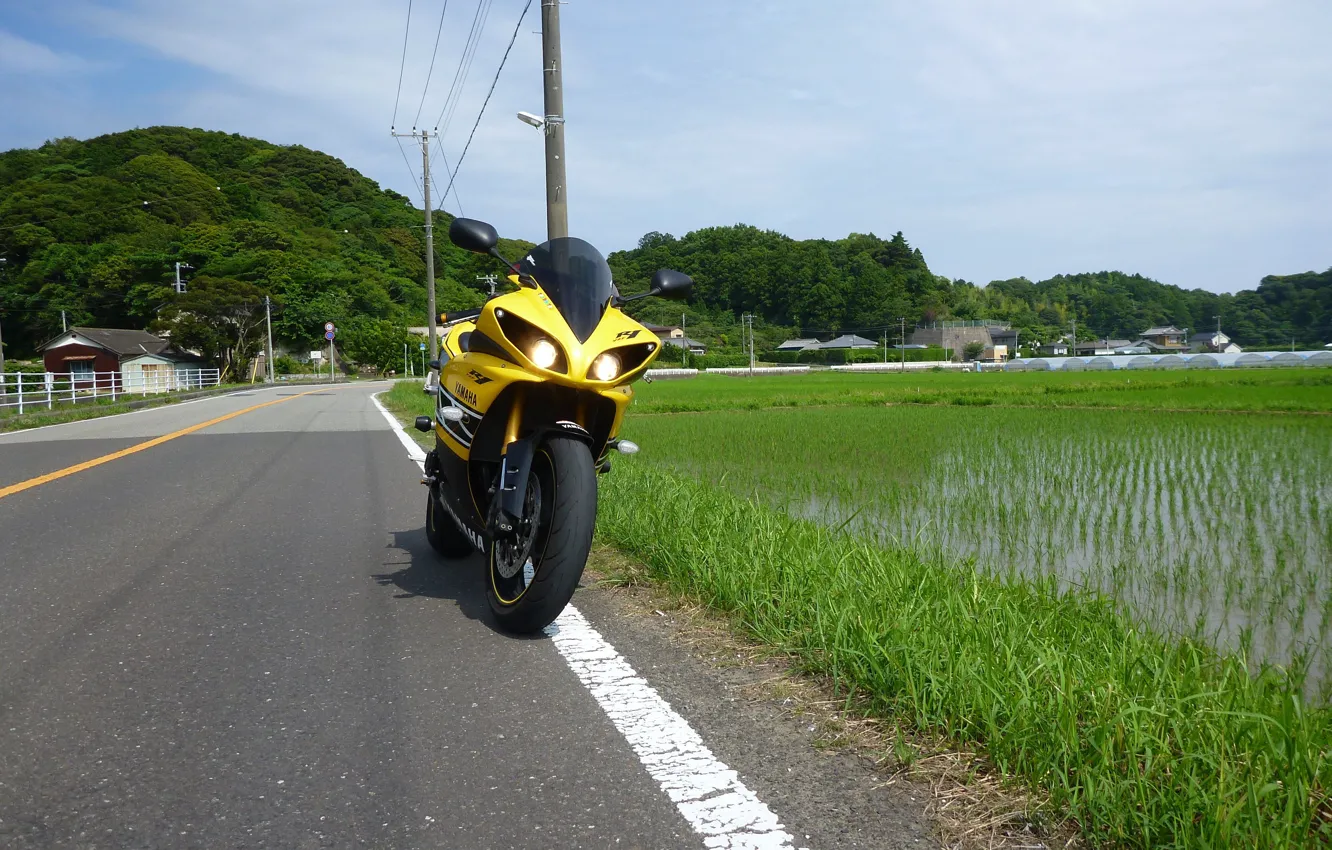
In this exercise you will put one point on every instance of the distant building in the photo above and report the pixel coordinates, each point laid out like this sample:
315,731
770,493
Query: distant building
666,331
798,345
846,341
1100,347
1214,342
1055,349
118,357
1163,338
955,335
693,346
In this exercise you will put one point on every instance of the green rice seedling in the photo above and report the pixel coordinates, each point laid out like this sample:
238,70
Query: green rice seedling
1146,741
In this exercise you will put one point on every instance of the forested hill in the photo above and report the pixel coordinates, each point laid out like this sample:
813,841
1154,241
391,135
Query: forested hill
863,283
95,228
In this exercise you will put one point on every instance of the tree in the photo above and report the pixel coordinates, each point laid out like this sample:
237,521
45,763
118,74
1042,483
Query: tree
220,318
972,350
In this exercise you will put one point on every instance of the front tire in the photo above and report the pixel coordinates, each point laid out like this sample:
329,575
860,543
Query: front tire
443,533
562,493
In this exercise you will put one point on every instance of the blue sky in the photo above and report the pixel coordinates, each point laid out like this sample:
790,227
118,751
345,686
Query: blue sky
1189,141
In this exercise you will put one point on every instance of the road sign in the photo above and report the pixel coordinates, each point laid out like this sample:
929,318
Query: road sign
328,326
329,336
423,346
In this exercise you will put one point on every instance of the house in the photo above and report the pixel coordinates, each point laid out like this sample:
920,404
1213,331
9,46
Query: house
666,331
693,346
123,359
1006,338
1214,342
1055,349
798,345
846,341
1100,347
1163,338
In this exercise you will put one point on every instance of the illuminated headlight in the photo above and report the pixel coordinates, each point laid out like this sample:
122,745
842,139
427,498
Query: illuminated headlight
606,367
543,353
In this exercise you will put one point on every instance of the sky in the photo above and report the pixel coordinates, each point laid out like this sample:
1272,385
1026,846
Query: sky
1189,141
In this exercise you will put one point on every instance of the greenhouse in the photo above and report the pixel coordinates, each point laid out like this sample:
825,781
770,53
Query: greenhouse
1251,360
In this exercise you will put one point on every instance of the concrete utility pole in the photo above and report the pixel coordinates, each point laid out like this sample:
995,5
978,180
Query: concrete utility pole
748,319
902,320
1075,336
685,340
180,284
424,136
268,315
4,264
557,202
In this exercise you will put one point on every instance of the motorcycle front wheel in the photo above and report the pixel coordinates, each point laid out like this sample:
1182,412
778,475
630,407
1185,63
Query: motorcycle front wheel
532,577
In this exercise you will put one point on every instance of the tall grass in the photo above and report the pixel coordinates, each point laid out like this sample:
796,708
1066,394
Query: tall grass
1145,741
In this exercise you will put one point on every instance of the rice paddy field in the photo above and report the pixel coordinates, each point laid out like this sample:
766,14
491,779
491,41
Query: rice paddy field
1117,587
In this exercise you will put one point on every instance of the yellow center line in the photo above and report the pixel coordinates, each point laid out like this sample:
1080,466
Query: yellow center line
147,444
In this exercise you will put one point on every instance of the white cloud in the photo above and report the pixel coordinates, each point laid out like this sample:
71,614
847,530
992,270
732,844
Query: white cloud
18,55
1186,139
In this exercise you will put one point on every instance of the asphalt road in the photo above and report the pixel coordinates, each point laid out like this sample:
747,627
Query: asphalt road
240,638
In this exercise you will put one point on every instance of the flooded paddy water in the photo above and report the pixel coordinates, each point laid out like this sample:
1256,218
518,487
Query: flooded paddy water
1214,526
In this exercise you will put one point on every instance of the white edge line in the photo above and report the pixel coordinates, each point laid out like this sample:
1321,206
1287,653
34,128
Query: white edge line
706,792
414,451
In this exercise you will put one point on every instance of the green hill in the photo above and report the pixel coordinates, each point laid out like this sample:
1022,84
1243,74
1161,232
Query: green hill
94,228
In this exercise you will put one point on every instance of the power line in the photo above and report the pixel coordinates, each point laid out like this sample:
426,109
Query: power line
493,83
464,66
431,72
410,171
402,65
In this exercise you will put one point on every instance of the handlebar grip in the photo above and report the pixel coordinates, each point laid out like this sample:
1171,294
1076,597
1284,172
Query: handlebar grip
460,315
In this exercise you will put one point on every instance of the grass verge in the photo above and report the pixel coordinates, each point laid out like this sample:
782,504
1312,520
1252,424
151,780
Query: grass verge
1142,741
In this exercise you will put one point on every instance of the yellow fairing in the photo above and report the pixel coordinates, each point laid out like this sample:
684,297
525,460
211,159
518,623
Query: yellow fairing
475,379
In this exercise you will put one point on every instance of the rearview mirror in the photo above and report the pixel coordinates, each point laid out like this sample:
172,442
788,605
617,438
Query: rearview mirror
668,283
472,235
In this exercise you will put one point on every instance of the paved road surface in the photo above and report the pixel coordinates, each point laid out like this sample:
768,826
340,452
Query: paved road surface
240,638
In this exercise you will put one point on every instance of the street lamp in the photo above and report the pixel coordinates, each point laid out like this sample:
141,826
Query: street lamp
535,120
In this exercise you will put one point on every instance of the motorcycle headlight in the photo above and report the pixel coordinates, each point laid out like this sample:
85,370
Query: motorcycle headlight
543,353
606,367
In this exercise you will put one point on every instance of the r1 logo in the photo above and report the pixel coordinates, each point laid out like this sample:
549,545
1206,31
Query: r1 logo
626,335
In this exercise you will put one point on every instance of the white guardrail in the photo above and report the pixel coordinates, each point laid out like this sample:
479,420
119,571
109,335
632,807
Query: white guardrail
919,366
758,370
26,390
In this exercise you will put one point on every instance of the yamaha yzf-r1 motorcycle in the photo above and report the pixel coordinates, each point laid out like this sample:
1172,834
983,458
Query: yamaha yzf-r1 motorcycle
531,394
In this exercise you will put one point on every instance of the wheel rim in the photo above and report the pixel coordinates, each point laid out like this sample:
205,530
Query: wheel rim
514,564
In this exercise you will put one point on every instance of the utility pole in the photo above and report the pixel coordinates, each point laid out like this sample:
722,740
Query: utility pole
424,136
685,340
268,317
902,320
180,284
64,326
490,280
885,345
557,202
4,388
1075,336
748,319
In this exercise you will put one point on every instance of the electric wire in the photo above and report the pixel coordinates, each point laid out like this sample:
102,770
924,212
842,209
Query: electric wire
431,72
464,62
401,65
410,170
462,84
493,83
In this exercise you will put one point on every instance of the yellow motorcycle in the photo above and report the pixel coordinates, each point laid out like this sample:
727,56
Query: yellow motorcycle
531,394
